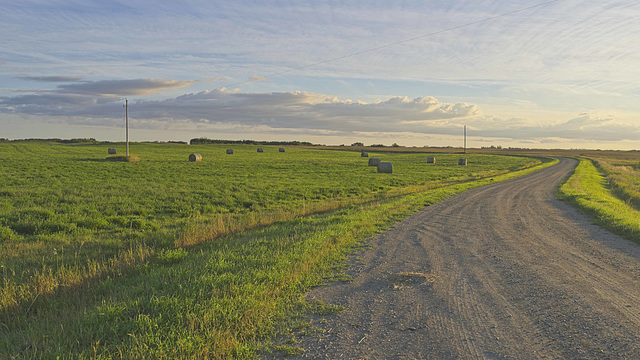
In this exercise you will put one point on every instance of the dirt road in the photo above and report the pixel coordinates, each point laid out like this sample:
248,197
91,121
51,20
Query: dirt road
499,272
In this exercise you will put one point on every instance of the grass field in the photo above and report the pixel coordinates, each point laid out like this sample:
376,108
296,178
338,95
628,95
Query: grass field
607,187
101,259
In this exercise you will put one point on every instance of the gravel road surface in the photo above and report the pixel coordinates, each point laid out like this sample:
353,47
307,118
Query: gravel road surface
499,272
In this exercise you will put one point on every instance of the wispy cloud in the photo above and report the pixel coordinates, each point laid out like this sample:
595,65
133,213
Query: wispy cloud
52,78
293,110
584,127
85,98
120,88
298,112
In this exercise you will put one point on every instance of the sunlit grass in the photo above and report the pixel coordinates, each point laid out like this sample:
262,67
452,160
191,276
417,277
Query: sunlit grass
118,263
591,191
67,215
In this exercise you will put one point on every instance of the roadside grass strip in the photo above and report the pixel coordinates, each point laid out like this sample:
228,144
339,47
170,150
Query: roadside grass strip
590,191
222,299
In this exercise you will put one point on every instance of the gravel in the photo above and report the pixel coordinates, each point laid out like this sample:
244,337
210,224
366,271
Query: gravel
504,271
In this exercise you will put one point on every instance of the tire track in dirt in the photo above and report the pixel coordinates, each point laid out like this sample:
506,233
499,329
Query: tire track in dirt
499,272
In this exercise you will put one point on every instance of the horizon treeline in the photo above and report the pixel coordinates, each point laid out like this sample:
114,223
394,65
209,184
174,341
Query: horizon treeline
55,140
202,141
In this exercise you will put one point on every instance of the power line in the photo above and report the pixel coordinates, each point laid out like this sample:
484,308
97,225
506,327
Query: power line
400,42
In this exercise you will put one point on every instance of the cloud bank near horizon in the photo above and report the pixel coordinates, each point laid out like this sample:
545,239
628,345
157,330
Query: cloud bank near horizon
297,112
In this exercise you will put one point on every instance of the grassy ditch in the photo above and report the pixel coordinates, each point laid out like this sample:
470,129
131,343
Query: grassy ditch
594,193
219,299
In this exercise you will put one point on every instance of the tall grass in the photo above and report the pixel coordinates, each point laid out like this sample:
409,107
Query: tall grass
623,177
593,193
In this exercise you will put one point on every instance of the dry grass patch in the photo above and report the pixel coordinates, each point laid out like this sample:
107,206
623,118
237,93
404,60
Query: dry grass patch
130,158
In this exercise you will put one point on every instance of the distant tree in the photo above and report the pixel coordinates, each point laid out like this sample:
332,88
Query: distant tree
202,141
357,144
395,145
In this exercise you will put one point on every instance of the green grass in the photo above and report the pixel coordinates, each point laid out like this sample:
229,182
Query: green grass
595,194
623,176
128,273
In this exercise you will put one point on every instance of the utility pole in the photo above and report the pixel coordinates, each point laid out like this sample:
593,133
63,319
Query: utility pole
126,101
465,139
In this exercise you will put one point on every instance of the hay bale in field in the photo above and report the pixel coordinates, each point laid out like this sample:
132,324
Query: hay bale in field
281,150
385,167
260,150
195,158
229,151
431,160
462,162
364,154
374,162
111,151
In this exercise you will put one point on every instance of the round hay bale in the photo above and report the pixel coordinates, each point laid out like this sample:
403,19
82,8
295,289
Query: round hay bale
364,154
229,151
431,160
385,167
462,162
195,158
111,151
374,161
260,150
281,150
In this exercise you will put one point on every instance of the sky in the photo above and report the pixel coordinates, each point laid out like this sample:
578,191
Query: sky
519,73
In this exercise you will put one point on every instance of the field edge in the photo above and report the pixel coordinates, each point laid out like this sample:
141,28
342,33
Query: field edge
588,190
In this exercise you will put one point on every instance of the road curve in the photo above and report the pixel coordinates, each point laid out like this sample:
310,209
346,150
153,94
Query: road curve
499,272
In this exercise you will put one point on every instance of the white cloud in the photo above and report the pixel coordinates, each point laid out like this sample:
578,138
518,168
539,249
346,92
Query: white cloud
283,110
309,113
302,111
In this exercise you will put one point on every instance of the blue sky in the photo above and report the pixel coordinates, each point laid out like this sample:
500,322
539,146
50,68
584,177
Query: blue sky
564,74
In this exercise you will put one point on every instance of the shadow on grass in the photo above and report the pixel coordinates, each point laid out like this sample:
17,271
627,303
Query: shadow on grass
92,160
131,158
